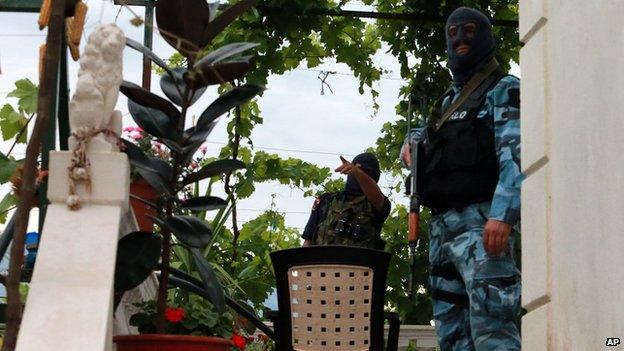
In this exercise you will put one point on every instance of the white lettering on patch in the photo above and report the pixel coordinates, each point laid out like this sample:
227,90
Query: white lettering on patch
458,115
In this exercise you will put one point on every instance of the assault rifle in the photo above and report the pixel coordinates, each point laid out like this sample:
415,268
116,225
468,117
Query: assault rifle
412,190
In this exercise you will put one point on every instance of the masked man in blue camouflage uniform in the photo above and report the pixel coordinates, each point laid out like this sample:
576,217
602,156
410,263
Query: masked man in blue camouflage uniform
469,176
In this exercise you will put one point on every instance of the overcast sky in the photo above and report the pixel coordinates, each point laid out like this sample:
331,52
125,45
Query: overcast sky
298,121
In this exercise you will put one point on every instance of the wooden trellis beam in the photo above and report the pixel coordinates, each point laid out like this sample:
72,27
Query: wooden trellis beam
394,16
405,16
20,5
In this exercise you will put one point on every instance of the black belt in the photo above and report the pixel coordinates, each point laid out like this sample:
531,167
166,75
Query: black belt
446,271
452,298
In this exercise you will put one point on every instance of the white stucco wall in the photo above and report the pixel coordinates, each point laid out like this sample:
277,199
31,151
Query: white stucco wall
573,200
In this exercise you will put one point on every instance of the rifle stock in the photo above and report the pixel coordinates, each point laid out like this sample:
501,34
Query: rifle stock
413,226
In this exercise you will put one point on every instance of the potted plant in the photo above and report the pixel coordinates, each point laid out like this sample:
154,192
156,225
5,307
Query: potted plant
143,196
188,26
190,320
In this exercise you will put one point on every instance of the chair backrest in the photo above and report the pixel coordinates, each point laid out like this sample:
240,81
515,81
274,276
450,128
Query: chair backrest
330,298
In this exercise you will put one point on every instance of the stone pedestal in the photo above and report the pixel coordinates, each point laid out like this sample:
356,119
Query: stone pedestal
70,300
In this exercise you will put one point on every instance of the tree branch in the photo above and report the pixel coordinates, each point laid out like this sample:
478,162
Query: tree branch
19,135
228,187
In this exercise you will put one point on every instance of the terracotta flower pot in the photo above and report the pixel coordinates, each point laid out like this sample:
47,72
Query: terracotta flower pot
163,342
142,189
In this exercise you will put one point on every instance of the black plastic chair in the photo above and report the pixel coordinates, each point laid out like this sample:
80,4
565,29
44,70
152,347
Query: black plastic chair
332,298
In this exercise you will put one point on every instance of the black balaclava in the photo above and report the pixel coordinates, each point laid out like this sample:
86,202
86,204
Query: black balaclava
481,45
369,164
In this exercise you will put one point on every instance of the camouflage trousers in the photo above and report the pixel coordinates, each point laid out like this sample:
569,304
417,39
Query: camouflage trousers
476,298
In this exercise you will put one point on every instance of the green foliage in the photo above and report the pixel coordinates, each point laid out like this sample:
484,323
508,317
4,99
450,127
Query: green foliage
7,168
8,165
260,344
13,125
198,317
394,233
250,277
271,167
330,186
137,254
289,34
257,239
13,121
8,202
27,94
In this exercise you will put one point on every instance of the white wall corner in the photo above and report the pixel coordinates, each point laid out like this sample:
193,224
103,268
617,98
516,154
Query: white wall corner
533,101
535,239
532,18
535,332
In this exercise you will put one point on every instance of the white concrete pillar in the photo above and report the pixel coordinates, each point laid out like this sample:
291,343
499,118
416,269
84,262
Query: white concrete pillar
573,198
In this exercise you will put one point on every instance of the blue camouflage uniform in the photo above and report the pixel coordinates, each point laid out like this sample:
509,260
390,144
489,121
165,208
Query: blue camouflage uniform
485,290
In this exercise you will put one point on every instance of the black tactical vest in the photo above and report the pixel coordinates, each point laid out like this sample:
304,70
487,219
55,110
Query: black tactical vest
346,222
459,166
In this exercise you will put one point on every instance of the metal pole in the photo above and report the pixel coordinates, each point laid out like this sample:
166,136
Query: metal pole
49,139
147,41
63,100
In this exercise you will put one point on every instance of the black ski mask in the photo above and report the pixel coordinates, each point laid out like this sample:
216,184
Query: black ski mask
369,164
464,66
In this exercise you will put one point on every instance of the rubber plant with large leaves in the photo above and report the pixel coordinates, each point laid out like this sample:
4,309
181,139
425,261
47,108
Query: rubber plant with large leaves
188,26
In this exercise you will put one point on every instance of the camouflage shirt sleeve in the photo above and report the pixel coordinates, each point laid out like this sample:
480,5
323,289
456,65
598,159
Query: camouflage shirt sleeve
504,105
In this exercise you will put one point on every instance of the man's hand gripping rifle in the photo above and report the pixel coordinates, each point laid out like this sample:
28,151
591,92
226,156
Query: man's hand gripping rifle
412,189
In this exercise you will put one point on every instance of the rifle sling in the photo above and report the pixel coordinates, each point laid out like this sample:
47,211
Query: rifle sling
470,87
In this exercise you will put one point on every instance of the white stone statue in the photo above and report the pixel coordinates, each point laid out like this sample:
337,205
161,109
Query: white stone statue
99,78
94,124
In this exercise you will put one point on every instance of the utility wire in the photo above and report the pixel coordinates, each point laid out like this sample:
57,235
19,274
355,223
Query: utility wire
345,73
21,35
290,150
277,210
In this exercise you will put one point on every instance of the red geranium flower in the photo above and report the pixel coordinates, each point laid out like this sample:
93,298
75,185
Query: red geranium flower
174,315
239,341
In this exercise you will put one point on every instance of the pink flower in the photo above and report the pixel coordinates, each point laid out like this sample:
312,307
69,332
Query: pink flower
133,129
203,148
136,135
